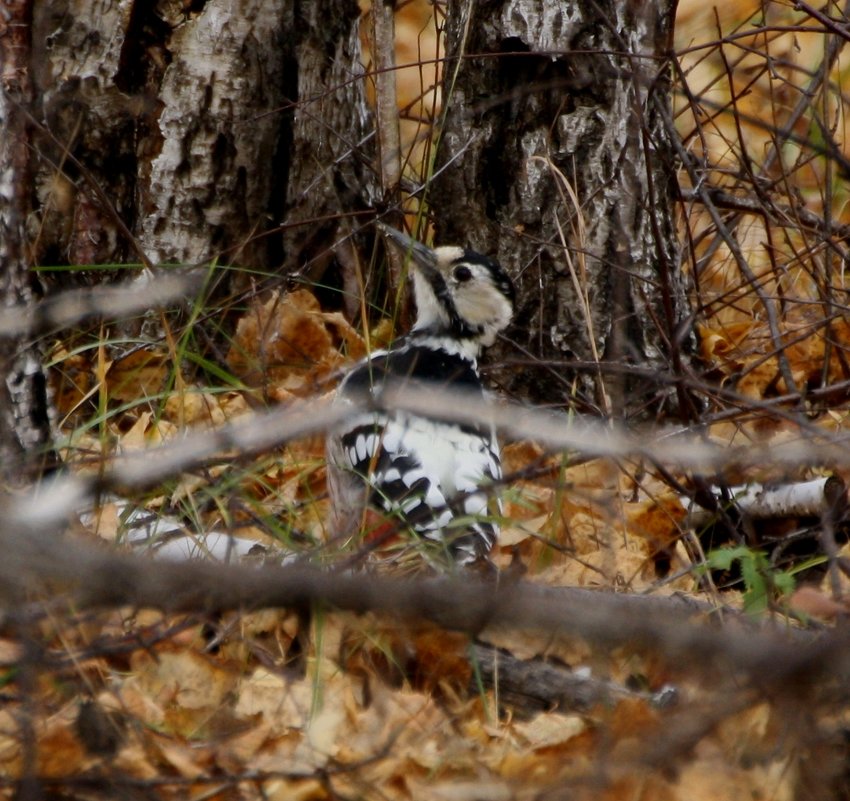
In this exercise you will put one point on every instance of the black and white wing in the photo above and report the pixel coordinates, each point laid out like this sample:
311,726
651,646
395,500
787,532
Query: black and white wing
430,475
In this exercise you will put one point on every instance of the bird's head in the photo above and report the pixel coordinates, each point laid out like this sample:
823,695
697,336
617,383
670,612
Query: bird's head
458,292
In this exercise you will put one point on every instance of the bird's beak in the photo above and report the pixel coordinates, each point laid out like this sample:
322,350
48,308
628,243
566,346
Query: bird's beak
423,257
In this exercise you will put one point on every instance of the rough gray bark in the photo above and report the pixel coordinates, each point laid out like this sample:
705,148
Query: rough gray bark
332,169
24,422
175,114
540,95
165,133
203,127
212,180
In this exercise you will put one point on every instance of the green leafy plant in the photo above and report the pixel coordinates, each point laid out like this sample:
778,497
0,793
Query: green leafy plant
763,581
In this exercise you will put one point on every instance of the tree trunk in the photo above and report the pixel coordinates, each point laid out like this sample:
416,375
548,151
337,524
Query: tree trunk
176,132
331,174
555,160
204,131
24,421
176,115
168,133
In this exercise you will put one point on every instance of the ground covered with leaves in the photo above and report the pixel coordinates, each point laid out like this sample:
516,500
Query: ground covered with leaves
725,677
313,703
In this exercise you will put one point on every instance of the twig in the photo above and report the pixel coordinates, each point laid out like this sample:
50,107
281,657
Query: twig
386,120
109,302
726,200
798,499
532,685
51,503
93,577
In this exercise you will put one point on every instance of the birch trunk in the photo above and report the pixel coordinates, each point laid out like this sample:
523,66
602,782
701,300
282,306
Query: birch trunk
24,421
175,114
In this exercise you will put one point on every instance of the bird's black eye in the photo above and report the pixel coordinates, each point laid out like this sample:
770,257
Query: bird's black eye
462,274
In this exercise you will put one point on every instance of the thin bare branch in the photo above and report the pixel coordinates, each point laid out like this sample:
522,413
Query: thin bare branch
105,302
92,577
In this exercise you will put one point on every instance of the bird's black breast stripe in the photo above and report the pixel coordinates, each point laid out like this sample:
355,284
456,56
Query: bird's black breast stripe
460,328
416,363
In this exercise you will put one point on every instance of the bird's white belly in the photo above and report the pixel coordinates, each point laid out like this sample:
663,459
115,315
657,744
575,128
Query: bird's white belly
456,461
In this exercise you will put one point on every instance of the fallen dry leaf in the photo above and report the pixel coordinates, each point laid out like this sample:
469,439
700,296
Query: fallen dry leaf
288,343
812,602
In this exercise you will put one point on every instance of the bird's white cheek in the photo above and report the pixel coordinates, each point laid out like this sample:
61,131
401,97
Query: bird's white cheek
473,308
484,309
